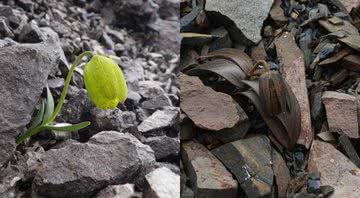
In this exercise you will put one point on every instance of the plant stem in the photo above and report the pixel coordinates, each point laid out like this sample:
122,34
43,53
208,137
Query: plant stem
66,87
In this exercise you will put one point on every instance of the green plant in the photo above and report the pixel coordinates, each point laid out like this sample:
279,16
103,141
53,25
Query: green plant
106,88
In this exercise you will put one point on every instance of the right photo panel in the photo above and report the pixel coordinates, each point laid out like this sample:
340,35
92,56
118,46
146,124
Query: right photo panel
270,98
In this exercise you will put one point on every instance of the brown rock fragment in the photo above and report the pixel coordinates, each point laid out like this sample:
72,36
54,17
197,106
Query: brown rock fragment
258,52
281,172
351,62
341,111
207,108
250,161
209,178
277,13
335,170
293,70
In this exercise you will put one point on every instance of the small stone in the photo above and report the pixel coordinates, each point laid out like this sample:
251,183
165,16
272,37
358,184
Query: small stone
117,191
351,62
157,102
208,177
108,158
54,83
293,70
252,169
150,89
341,111
350,4
163,183
277,13
335,169
5,30
202,104
163,146
31,33
158,120
113,119
248,17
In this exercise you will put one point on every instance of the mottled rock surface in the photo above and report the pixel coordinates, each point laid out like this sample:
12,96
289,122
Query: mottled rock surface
117,191
164,146
335,170
248,15
341,111
80,169
158,120
163,183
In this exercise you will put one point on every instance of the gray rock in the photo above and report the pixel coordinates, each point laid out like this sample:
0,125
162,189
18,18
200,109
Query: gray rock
76,107
117,191
167,35
7,42
31,33
150,89
163,183
79,170
23,73
157,102
113,119
168,8
163,146
172,167
5,30
248,15
7,12
158,120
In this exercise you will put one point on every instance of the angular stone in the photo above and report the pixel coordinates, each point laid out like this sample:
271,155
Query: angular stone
31,33
163,146
208,177
157,102
277,13
117,191
158,120
5,30
335,170
351,62
293,70
281,172
202,104
350,4
163,183
24,70
252,169
248,17
341,111
81,169
113,119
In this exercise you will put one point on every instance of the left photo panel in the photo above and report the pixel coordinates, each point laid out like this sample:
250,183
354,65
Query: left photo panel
89,98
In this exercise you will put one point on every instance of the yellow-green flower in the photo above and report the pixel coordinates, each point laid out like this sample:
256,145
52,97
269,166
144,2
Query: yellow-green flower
105,82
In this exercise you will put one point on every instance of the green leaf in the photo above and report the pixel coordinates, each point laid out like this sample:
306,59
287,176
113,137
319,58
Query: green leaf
39,115
69,128
49,106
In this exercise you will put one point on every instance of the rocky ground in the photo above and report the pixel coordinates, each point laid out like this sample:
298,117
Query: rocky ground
269,98
129,151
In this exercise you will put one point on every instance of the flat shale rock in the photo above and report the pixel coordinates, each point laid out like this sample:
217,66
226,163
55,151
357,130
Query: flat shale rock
281,172
248,15
207,108
158,120
24,70
335,170
81,169
209,178
293,71
163,183
250,161
341,112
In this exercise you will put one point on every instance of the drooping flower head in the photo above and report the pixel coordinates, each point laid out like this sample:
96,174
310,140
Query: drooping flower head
105,82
